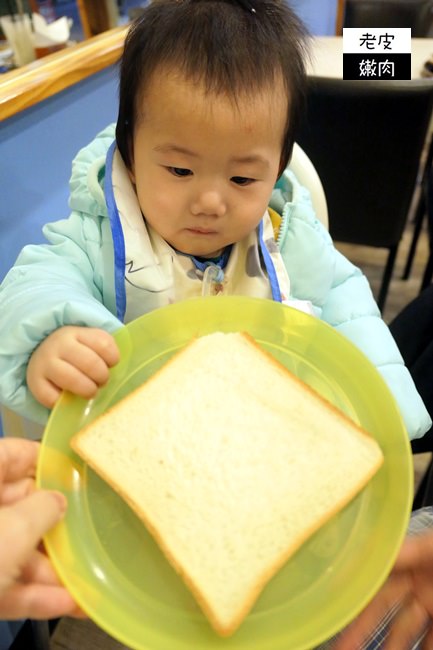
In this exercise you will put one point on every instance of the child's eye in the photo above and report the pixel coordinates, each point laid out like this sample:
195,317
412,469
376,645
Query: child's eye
179,171
242,180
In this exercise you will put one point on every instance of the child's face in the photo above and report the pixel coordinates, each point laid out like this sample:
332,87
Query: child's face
203,168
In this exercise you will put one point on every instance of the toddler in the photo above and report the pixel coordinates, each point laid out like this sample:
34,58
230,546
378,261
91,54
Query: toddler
190,195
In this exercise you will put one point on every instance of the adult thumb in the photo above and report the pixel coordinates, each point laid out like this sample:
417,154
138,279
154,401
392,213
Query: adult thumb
23,524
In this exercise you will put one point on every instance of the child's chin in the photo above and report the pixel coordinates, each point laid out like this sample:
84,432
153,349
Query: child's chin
201,252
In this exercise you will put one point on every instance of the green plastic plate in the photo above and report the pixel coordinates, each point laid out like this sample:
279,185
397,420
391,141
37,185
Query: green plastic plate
115,570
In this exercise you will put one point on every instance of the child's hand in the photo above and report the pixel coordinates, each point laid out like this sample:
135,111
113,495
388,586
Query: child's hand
76,359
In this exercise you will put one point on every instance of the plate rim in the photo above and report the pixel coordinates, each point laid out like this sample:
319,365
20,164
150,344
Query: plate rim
230,300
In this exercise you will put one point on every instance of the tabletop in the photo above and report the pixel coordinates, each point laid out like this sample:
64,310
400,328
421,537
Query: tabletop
327,56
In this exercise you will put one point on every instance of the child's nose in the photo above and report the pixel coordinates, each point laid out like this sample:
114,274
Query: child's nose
210,203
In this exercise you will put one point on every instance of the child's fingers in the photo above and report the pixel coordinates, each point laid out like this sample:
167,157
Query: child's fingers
101,342
81,359
45,392
76,359
66,376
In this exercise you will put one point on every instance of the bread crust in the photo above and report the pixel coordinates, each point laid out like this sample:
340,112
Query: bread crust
265,577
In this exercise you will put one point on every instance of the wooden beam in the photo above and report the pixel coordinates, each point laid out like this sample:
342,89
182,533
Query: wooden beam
340,17
84,18
32,83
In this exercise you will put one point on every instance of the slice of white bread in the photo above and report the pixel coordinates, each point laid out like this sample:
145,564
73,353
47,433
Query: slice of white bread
232,463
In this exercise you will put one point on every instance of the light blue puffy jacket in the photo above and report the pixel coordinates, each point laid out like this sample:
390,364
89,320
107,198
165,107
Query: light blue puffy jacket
72,281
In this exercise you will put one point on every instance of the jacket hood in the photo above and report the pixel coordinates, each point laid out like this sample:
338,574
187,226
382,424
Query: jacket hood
88,174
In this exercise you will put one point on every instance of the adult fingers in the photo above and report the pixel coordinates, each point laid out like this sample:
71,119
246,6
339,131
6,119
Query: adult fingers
394,590
407,626
417,551
427,643
18,458
23,524
37,602
16,490
38,569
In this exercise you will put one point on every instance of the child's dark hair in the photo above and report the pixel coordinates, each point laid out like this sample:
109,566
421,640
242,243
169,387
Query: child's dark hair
223,44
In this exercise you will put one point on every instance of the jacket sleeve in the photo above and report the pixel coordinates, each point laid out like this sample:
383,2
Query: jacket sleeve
351,309
52,285
342,297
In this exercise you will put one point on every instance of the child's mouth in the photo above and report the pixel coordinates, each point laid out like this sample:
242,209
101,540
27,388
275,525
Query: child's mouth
201,231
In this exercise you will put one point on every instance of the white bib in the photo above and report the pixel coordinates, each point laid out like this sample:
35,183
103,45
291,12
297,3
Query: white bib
157,275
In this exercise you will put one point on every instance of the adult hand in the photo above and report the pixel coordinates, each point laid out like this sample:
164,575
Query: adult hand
72,358
411,582
29,587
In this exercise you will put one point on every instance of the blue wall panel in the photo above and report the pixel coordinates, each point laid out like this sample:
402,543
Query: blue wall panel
36,150
319,15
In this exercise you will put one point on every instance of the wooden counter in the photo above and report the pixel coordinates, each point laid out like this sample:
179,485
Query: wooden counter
30,84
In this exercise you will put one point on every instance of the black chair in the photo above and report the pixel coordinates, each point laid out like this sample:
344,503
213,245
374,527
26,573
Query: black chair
416,14
34,635
412,329
423,211
428,271
365,138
